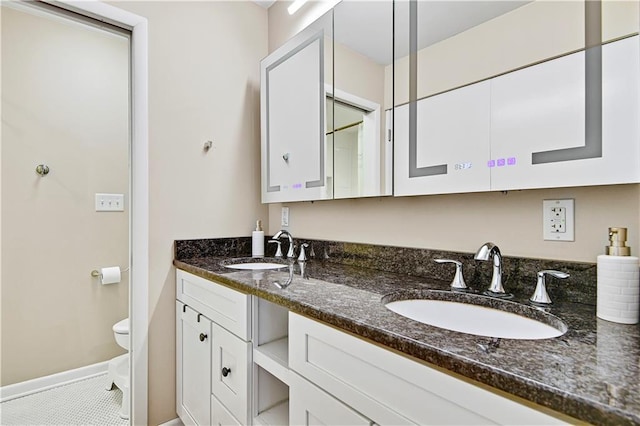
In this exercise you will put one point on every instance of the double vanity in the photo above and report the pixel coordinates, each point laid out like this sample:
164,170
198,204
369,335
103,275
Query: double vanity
335,339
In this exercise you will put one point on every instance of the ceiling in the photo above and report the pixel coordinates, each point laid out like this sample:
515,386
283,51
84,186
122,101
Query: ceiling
365,25
264,3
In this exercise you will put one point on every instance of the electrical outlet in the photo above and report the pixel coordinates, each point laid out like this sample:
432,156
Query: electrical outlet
558,220
285,216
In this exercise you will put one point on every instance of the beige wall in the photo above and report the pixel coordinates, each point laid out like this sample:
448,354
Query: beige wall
462,222
204,79
65,104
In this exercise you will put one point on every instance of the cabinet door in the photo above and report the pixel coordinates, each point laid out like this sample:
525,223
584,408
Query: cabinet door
392,389
230,372
539,134
293,113
446,147
309,405
220,416
193,366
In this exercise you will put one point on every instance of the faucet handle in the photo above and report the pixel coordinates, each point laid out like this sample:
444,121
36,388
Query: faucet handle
458,279
279,250
303,255
540,295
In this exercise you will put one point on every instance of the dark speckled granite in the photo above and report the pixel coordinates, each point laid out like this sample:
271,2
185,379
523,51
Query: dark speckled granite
519,274
591,373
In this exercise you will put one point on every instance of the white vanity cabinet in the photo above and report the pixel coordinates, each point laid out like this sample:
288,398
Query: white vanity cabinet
290,369
213,352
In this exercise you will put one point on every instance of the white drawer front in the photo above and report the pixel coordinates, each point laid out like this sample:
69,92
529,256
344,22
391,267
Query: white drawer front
358,372
225,306
309,405
220,416
230,372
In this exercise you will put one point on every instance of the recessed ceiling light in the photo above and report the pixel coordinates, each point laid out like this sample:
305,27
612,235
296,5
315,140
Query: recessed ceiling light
297,4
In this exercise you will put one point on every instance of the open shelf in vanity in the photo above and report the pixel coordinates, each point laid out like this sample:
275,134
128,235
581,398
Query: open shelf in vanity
270,363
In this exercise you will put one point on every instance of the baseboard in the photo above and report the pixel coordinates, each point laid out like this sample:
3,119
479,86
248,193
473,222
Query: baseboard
40,384
174,422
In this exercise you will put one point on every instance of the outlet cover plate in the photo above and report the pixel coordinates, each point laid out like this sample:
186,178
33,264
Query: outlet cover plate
558,223
285,216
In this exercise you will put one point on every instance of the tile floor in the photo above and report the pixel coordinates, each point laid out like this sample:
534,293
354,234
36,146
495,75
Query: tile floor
85,402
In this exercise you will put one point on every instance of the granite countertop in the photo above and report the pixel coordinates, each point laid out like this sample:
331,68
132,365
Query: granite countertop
591,373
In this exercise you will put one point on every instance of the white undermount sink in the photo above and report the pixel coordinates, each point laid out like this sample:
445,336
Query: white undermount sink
254,266
479,320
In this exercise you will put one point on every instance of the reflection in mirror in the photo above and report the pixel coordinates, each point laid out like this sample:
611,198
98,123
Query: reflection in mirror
363,39
487,94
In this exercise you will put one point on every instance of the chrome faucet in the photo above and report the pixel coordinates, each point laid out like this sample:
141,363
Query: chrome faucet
491,251
276,238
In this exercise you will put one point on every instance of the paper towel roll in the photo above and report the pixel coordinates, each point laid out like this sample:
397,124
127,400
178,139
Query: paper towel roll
618,289
110,275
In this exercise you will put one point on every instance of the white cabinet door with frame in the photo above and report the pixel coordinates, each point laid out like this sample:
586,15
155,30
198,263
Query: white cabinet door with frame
310,405
193,362
293,120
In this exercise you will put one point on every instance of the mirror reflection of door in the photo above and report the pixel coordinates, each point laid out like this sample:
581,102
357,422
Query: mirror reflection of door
355,147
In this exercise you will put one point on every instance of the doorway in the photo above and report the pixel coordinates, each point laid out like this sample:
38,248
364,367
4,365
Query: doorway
75,124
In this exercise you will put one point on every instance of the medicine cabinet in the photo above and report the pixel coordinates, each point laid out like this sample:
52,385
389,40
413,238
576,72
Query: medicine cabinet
459,97
515,95
326,97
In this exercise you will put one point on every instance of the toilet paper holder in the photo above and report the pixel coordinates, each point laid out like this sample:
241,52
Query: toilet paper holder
96,274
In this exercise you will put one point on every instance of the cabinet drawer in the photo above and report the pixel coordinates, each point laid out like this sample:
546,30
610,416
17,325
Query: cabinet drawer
225,306
230,372
309,405
404,391
220,416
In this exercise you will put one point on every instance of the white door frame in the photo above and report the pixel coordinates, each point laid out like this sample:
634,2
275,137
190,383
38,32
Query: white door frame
139,216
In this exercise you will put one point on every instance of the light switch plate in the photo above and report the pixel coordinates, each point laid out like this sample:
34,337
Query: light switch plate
109,202
285,216
558,220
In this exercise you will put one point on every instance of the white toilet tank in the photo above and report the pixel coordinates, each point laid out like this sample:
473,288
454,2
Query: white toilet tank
121,333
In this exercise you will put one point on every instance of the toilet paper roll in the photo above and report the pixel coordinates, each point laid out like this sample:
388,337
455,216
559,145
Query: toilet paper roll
110,275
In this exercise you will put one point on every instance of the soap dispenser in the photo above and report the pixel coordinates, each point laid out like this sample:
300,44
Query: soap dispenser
618,275
257,241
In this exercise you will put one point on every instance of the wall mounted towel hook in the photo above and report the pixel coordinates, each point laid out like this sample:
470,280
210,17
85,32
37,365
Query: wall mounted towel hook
42,170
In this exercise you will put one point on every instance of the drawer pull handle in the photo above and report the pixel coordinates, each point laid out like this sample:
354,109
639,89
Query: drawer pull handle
202,337
225,371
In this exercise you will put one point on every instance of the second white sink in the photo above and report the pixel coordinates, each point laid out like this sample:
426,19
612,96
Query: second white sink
256,266
475,319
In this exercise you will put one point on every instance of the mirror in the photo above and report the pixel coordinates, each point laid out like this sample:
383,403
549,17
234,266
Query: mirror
353,155
362,99
500,95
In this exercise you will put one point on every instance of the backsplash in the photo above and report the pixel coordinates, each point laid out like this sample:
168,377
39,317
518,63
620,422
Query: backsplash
519,274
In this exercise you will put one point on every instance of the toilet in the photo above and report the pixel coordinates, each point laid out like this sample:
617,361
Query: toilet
118,374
